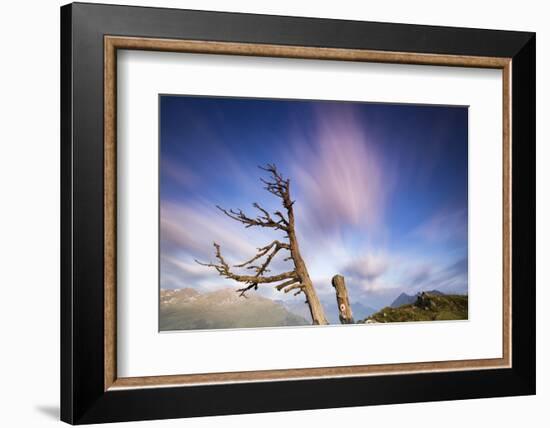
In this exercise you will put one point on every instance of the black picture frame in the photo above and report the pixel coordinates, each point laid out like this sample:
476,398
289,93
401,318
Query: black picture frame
83,398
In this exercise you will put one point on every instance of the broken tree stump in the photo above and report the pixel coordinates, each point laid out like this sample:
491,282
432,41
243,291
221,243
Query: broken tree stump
342,299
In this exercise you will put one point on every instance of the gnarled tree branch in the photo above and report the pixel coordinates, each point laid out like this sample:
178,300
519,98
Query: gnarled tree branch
252,281
264,220
298,279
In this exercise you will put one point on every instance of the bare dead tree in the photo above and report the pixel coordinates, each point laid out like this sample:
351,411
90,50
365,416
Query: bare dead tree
296,280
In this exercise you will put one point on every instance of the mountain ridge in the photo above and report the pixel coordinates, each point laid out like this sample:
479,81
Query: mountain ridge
188,309
407,299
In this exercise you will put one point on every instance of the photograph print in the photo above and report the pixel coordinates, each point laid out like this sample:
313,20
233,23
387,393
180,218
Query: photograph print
286,213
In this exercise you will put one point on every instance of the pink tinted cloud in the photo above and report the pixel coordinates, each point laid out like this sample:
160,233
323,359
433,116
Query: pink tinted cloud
194,227
340,176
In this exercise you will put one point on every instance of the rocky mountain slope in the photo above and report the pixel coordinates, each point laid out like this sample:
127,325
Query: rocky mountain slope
187,309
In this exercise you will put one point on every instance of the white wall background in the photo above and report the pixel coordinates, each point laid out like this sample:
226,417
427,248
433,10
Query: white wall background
29,214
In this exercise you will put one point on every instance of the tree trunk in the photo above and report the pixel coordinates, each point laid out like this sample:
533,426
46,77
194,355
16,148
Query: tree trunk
344,307
315,307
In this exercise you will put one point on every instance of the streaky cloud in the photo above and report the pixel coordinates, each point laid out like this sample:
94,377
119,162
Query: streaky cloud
445,225
340,176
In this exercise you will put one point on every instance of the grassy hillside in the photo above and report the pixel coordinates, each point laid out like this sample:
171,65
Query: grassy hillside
186,309
427,307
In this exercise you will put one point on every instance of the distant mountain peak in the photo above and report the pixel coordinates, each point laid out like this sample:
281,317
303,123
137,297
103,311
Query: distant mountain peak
434,291
402,299
407,299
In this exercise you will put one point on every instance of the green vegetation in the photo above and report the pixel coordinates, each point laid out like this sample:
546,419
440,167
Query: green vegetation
427,307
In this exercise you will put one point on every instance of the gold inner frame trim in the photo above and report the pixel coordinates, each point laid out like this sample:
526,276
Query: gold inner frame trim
113,43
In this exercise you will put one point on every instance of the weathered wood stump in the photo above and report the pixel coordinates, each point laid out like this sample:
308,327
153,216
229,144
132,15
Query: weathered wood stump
342,299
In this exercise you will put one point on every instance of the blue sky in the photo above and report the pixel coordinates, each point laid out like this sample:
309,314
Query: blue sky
381,191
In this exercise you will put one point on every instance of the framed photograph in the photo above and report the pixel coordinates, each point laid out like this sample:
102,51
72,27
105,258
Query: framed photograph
266,213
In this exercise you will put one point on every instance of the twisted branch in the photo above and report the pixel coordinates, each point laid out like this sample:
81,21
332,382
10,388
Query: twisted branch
264,220
252,281
279,187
